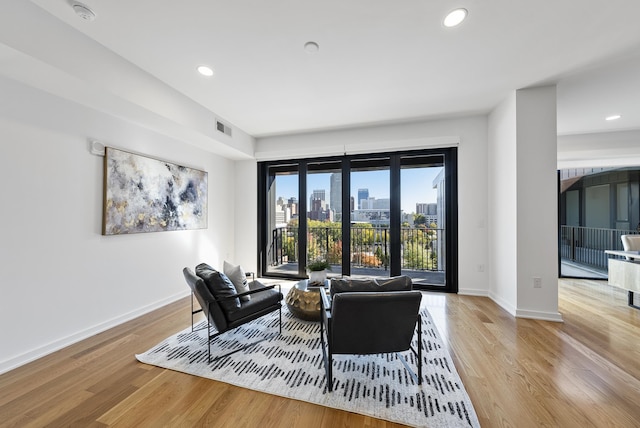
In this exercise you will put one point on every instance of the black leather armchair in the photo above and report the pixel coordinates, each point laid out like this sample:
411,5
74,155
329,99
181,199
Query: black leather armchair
222,306
370,322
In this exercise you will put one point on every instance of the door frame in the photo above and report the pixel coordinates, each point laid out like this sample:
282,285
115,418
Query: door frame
450,160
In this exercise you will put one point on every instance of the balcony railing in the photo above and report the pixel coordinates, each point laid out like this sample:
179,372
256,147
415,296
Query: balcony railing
586,245
420,248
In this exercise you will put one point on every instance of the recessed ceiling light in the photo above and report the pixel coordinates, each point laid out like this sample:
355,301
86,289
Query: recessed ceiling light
455,17
83,11
613,117
311,47
205,71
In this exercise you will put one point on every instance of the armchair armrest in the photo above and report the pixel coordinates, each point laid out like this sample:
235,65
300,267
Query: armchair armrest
325,316
325,309
324,300
248,293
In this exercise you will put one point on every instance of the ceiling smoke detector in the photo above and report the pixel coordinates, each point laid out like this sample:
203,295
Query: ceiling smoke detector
311,47
83,11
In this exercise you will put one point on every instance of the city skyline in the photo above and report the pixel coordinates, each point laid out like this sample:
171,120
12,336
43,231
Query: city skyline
416,185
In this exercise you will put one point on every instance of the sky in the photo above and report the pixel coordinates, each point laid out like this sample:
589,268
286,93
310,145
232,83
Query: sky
416,185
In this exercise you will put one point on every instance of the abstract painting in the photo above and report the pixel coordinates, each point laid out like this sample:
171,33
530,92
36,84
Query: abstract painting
142,194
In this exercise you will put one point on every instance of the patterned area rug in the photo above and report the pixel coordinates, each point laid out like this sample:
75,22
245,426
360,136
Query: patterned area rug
291,365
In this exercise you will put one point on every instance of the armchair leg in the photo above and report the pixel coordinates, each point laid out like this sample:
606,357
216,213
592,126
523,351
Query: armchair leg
192,314
280,309
209,342
330,372
328,361
419,350
213,336
417,354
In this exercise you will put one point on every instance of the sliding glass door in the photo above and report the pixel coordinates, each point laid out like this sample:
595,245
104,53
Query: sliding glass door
324,214
281,220
422,223
368,216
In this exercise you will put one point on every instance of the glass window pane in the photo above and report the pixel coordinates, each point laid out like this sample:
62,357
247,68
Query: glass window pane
282,213
324,214
623,202
370,217
422,220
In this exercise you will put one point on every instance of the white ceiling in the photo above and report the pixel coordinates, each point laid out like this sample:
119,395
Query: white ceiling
379,60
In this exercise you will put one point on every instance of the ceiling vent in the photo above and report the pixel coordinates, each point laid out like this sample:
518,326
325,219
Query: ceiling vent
224,128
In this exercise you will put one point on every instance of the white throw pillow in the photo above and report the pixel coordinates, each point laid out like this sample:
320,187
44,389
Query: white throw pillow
238,278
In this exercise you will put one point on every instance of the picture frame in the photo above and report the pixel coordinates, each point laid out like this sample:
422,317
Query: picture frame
143,194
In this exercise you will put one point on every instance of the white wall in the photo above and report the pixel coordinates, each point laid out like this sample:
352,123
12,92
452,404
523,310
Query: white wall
523,203
73,66
246,217
60,279
502,203
470,132
537,215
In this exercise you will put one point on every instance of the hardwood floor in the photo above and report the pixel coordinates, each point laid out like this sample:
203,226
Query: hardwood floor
584,372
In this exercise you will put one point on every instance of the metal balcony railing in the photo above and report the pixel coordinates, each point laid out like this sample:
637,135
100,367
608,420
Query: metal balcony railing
586,245
369,247
422,249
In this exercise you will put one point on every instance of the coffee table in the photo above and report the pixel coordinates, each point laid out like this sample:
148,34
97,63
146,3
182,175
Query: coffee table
303,300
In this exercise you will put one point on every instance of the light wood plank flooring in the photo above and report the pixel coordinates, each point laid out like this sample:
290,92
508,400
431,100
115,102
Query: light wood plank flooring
584,372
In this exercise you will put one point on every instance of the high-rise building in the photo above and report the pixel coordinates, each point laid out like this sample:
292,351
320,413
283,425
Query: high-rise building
282,213
317,206
429,211
318,195
380,204
363,194
375,204
335,194
293,205
316,209
426,208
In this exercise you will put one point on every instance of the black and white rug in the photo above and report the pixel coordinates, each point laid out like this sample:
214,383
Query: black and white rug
291,365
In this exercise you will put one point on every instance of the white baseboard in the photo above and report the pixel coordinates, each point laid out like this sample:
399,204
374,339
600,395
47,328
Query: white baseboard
503,304
473,292
525,313
539,315
56,345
